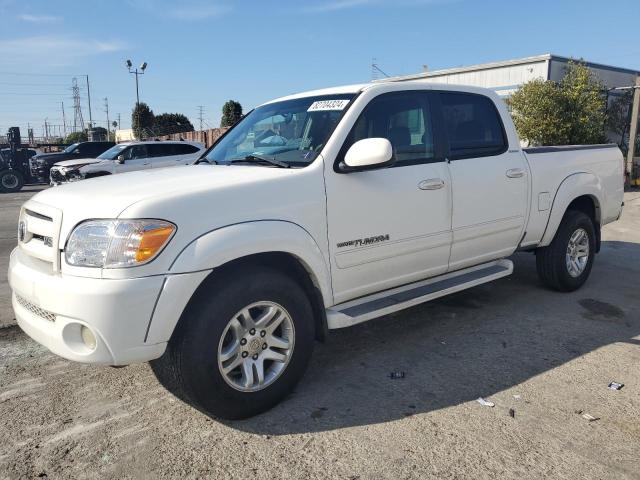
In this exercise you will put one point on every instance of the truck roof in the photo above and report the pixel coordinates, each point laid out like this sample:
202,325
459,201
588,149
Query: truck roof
384,85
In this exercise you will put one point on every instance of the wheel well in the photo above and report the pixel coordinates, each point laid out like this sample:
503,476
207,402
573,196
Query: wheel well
289,265
589,206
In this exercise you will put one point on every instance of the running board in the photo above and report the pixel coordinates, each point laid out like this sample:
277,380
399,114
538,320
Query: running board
389,301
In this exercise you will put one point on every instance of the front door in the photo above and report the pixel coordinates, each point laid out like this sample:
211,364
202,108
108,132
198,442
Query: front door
490,185
135,158
390,226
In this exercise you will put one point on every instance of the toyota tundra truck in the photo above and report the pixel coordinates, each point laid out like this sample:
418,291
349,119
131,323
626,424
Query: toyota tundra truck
316,211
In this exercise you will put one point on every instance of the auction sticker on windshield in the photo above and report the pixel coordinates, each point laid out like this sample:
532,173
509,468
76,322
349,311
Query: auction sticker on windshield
327,105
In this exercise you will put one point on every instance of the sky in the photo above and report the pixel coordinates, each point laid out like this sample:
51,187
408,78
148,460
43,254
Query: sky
206,52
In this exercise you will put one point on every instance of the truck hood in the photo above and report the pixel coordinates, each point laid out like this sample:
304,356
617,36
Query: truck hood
79,161
110,196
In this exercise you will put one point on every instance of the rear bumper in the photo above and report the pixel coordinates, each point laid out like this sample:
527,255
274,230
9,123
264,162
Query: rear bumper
51,309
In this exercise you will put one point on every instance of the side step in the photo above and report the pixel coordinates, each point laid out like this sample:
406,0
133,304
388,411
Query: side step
389,301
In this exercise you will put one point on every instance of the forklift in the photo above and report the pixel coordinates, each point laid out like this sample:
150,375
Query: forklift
15,168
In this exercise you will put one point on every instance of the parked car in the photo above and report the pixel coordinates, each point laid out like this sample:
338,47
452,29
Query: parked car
41,164
374,198
127,157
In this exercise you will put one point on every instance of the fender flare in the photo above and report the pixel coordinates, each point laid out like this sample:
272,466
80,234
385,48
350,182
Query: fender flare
575,185
232,242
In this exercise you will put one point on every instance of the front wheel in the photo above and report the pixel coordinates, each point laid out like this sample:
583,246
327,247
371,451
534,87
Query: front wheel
566,263
11,181
241,345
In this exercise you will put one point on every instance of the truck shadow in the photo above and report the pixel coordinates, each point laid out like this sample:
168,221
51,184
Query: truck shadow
454,350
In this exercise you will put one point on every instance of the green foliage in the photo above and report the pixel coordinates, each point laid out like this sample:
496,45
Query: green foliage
76,137
99,134
146,119
566,113
231,113
167,123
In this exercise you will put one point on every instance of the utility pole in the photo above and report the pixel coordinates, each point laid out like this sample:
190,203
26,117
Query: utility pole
64,120
89,101
106,109
137,73
119,124
200,113
633,132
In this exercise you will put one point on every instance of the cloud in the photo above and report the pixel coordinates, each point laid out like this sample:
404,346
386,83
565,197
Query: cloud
188,11
335,5
54,50
195,12
39,18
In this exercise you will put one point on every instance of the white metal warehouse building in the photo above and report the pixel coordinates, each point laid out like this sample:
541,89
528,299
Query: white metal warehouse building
507,76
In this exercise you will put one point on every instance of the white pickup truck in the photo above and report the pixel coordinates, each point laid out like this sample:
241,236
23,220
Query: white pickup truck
317,211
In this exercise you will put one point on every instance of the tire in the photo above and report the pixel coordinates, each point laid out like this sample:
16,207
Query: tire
11,181
191,369
552,263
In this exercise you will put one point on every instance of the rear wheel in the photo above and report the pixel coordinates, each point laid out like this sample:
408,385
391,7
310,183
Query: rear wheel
566,263
11,181
241,346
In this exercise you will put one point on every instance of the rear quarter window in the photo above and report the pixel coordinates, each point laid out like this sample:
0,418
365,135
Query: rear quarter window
473,125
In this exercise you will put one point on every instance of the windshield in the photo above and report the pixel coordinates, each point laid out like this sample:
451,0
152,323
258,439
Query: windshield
113,152
70,148
291,131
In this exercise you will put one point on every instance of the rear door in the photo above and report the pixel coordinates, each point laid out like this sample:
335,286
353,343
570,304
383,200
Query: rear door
186,153
490,185
161,154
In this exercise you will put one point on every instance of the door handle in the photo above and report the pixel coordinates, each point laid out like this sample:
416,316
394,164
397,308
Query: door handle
515,173
431,184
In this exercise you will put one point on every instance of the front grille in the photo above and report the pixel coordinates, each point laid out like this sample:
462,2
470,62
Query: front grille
39,228
36,310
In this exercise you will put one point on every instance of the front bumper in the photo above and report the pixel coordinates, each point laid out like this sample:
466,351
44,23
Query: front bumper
52,308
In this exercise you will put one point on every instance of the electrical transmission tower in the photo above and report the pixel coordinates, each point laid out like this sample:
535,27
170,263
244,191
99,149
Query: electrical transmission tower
200,115
78,121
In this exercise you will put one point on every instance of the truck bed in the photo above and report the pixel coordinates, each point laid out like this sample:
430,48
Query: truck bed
551,167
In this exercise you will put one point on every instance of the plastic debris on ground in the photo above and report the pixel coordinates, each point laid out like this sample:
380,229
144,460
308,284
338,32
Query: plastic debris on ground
615,386
396,375
590,417
517,397
485,403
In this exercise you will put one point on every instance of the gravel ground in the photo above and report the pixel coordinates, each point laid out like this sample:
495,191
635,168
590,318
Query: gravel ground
546,356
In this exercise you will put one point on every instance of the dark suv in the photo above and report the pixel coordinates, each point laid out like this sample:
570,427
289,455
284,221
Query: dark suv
42,163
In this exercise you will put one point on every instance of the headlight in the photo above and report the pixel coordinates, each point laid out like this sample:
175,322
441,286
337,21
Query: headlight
117,243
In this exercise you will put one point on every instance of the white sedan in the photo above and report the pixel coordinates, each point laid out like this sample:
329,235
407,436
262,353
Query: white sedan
128,157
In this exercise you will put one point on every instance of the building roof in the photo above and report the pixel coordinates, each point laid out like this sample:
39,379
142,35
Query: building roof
507,63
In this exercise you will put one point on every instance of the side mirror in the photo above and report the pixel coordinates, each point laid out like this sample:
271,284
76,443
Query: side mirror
368,154
120,159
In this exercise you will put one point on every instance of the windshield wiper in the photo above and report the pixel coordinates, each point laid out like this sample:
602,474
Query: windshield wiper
253,158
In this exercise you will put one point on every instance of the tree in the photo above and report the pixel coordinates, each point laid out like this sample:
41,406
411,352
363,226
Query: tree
99,134
167,123
76,137
231,113
146,116
572,111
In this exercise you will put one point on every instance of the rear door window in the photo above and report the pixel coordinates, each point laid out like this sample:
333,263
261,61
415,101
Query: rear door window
473,125
160,149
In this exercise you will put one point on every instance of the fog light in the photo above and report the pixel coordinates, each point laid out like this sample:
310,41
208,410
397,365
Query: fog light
88,337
